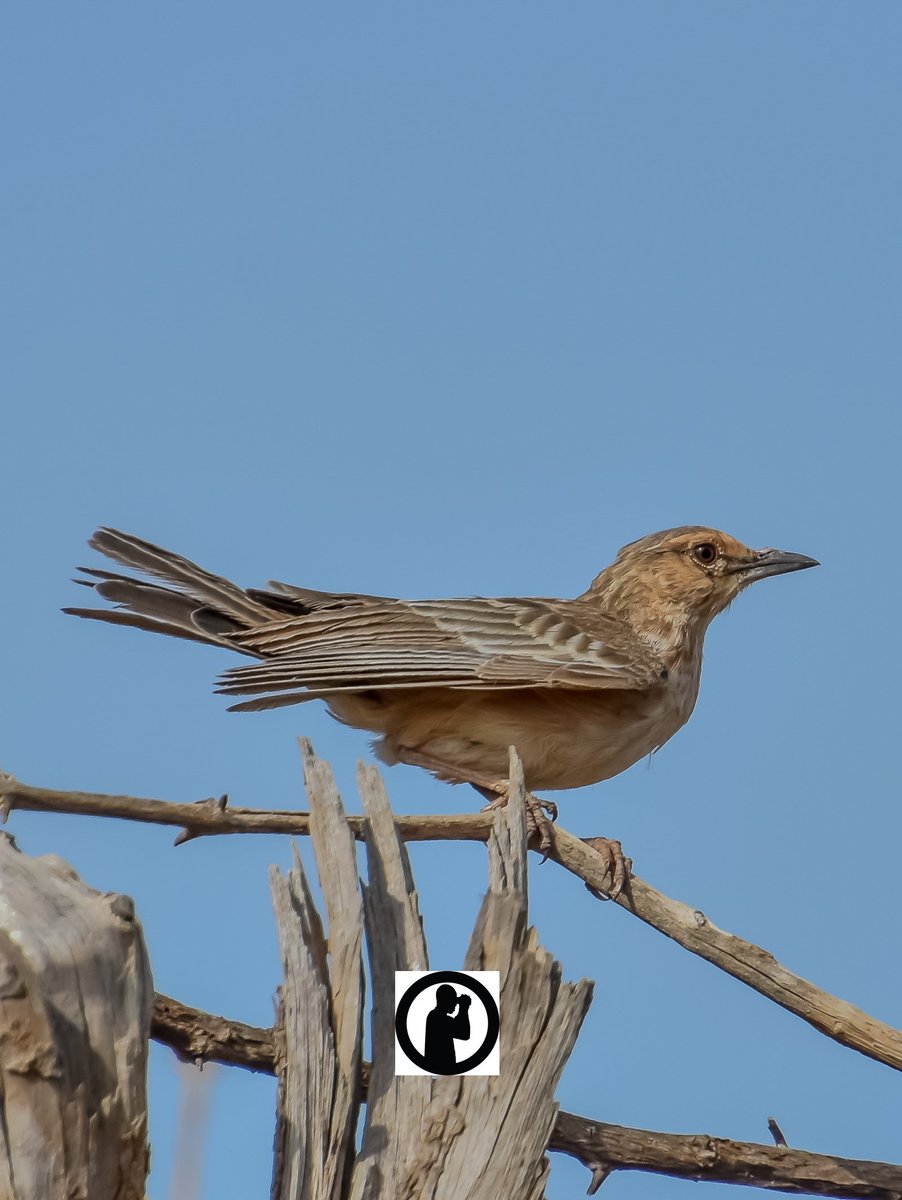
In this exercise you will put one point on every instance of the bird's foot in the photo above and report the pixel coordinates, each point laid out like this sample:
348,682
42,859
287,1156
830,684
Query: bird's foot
618,867
540,815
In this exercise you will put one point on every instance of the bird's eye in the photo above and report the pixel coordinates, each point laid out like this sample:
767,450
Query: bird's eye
705,552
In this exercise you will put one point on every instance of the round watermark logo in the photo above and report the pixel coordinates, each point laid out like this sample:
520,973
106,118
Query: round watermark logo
447,1023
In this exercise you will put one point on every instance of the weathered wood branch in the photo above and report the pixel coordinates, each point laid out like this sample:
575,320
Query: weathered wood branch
688,926
75,1006
201,1037
598,1145
214,816
752,965
606,1147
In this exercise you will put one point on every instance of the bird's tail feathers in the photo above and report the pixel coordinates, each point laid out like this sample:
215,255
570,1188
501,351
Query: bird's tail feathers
192,603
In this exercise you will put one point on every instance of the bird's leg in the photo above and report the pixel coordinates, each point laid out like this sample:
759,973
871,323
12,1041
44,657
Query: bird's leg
617,865
539,813
539,816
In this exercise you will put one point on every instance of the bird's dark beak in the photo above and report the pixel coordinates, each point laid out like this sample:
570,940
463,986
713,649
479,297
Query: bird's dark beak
774,562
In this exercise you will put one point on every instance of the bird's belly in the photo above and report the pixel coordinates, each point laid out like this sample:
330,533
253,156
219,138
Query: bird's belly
585,739
565,738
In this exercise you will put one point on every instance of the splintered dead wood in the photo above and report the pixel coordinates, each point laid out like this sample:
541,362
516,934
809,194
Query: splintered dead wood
451,1138
319,1047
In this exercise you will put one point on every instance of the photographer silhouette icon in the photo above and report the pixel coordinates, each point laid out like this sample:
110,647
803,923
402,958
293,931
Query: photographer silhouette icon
442,1029
446,1022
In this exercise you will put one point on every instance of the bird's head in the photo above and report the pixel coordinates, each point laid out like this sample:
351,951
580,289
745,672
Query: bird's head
681,578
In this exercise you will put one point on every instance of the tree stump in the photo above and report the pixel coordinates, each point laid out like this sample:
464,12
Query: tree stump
76,996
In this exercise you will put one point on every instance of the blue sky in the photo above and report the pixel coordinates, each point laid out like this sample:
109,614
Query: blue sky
429,300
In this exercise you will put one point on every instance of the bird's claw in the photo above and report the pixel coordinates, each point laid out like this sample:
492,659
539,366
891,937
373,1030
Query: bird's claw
618,867
540,815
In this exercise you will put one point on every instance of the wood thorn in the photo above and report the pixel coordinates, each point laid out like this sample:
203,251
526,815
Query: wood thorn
776,1132
600,1172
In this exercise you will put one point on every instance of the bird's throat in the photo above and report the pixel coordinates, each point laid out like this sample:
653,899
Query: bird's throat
673,629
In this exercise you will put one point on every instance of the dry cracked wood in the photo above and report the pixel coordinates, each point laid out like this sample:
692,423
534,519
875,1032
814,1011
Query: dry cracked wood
75,1007
422,1136
507,1120
319,1043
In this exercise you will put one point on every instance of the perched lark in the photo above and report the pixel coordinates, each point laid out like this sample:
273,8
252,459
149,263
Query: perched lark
583,688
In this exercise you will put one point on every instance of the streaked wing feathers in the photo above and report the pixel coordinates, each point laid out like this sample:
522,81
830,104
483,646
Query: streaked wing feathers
362,642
